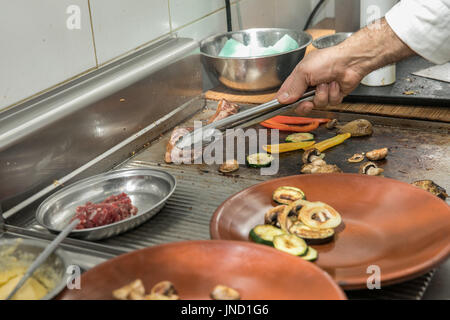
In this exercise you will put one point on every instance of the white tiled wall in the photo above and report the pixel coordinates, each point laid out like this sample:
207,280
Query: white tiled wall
39,52
120,26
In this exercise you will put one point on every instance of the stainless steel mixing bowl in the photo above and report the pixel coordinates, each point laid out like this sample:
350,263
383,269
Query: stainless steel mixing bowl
331,40
253,73
54,268
148,189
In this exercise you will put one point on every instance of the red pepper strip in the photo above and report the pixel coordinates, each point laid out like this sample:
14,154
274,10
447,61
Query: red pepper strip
284,127
296,120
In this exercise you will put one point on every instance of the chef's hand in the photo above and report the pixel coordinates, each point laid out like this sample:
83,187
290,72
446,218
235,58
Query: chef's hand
326,70
337,70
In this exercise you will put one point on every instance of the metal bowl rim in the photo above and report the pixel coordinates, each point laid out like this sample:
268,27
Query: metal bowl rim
315,41
255,57
60,252
98,177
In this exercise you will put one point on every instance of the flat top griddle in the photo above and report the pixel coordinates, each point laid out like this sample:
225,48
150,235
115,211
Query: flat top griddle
419,150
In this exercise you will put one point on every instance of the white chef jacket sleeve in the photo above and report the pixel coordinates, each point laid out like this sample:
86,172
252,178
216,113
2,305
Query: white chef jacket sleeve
424,25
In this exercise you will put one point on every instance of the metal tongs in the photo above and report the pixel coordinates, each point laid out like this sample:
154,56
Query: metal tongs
205,133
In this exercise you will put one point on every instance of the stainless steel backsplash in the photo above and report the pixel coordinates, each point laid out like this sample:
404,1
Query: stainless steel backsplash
46,139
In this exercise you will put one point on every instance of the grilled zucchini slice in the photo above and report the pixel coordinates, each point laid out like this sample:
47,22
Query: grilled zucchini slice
300,137
311,254
291,244
311,236
264,234
259,160
287,195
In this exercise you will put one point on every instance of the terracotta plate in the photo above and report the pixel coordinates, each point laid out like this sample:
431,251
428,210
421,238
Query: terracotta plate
403,230
195,267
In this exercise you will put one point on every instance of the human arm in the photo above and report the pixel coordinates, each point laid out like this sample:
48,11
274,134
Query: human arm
338,70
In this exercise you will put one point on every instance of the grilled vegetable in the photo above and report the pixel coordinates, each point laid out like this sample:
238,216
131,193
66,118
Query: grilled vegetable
320,167
283,219
357,128
291,244
300,137
259,160
286,195
370,169
229,166
271,216
378,154
284,127
296,120
311,254
357,157
289,215
329,143
311,236
221,292
264,234
311,155
433,188
318,215
332,124
287,147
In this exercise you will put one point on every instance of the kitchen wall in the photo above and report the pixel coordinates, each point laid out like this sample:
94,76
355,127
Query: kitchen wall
45,43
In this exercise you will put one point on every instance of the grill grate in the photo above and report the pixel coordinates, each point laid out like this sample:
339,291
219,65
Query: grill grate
187,213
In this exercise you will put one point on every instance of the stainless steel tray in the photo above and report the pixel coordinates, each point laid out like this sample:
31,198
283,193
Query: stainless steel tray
148,189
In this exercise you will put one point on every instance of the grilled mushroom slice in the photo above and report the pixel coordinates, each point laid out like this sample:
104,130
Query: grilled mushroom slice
378,154
312,154
370,169
165,288
433,188
318,215
311,236
331,124
283,219
271,216
286,195
156,296
133,290
221,292
229,166
327,168
357,128
357,157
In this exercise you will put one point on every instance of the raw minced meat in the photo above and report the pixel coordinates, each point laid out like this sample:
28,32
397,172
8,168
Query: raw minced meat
112,209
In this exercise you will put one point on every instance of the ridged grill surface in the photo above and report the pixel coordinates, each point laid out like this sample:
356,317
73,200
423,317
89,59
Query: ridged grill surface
187,213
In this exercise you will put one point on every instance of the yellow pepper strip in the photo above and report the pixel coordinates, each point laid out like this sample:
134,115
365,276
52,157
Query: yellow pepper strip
329,143
286,147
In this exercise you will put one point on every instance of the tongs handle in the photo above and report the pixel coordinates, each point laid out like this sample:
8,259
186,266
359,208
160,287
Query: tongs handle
205,133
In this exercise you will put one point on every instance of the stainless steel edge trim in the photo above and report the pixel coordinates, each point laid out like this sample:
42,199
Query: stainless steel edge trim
20,124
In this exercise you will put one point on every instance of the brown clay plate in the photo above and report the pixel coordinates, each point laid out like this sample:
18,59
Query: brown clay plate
397,227
196,267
